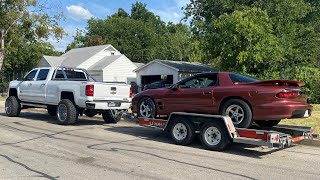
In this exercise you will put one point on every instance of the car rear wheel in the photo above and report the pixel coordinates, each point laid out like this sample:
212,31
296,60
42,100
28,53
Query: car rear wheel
239,112
269,123
147,108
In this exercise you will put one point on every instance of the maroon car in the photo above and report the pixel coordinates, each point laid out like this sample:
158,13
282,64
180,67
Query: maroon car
242,98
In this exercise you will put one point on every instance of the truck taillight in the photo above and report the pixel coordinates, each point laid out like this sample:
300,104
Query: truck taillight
89,90
288,94
130,92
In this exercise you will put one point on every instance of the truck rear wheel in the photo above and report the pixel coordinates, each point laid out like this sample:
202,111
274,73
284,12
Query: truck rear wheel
90,113
111,116
66,112
182,131
214,136
12,106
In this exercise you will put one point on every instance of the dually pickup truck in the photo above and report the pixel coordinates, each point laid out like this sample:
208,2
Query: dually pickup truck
66,93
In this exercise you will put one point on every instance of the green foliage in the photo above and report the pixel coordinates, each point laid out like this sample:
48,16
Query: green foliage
269,39
142,36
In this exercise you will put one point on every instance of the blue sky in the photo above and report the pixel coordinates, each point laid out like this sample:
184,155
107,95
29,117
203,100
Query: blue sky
77,12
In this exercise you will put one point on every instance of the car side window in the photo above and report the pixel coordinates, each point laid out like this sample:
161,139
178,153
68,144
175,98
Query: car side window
201,81
42,75
31,75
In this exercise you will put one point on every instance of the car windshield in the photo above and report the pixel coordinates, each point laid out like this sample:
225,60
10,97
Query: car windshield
241,78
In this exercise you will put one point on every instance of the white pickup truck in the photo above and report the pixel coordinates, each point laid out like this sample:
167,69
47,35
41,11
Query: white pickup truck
66,93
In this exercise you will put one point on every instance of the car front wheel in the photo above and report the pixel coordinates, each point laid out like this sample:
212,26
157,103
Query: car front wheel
147,108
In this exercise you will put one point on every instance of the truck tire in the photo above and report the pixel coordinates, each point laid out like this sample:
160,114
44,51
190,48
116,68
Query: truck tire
214,136
110,116
239,112
90,113
52,110
66,112
269,123
182,131
12,106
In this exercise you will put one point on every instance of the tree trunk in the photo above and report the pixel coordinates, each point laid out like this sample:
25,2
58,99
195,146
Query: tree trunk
1,58
2,48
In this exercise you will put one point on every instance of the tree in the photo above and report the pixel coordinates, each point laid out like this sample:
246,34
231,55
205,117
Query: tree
27,19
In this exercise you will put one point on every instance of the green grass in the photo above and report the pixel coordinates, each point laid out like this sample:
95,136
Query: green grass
312,121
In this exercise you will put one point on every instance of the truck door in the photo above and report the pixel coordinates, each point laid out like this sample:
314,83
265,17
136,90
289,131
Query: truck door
25,92
38,88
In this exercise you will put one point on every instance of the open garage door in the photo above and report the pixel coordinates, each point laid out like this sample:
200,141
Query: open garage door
156,81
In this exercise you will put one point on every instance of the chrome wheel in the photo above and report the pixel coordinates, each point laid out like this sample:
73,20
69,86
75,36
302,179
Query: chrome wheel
8,107
236,113
62,112
146,108
212,136
180,131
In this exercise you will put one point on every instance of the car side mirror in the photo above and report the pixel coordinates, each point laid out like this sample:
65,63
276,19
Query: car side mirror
175,87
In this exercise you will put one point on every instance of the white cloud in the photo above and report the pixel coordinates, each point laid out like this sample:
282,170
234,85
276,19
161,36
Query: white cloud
168,15
78,13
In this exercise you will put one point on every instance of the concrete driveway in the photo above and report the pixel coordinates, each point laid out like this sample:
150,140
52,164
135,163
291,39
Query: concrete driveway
33,146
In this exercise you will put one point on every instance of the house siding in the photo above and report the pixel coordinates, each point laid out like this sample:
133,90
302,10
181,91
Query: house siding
120,70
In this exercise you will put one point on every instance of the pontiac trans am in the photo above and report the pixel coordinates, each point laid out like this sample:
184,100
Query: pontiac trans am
245,100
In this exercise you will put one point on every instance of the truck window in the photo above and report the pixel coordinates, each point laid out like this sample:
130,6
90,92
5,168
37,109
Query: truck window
75,75
31,75
42,75
59,75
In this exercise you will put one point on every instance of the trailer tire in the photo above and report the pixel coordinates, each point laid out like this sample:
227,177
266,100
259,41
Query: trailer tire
265,123
12,106
182,131
52,110
110,116
214,136
236,107
66,112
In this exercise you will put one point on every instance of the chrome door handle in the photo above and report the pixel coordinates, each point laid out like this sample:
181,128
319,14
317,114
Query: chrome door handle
29,84
206,93
42,85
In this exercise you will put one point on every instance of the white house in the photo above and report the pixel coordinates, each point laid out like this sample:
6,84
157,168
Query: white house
173,71
103,62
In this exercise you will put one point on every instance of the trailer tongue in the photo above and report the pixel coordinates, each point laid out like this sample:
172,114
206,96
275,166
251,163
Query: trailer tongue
217,132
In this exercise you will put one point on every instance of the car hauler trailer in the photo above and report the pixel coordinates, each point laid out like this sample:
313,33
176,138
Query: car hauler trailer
217,132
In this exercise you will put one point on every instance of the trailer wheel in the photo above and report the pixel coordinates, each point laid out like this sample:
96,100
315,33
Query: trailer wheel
12,106
90,113
111,116
270,123
214,136
182,131
52,110
66,112
239,112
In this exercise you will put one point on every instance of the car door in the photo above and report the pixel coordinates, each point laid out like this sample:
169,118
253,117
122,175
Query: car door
194,94
38,88
25,92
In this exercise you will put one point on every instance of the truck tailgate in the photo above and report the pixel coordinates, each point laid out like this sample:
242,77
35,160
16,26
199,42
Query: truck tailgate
111,91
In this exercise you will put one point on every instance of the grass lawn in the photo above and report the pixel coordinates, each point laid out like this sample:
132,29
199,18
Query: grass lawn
313,121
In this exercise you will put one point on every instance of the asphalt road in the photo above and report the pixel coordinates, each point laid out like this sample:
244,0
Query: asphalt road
33,146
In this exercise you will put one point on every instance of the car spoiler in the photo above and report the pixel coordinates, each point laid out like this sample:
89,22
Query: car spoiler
275,83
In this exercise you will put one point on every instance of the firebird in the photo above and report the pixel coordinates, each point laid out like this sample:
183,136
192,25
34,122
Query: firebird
244,99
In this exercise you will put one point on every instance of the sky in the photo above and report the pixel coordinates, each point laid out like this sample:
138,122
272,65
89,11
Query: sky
77,12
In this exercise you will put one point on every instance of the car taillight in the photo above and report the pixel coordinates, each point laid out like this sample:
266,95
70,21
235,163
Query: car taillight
89,90
130,95
288,94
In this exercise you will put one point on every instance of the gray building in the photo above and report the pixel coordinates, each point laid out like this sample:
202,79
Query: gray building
172,71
